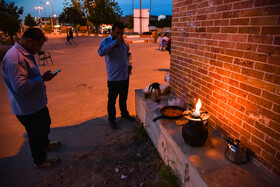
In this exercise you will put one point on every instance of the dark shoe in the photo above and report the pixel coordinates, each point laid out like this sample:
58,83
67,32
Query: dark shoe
113,125
48,163
129,117
52,146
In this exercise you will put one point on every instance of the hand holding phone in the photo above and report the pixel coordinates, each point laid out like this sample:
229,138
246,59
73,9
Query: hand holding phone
55,72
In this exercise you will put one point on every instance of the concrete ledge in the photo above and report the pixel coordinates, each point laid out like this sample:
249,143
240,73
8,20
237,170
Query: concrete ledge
195,166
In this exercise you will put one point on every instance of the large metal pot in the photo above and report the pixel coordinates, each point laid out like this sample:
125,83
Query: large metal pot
170,112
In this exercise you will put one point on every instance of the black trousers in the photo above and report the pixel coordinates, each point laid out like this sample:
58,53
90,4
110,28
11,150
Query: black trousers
37,126
116,88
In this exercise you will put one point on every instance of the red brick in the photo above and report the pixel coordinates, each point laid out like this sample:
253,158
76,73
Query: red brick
211,42
224,7
230,81
275,30
243,62
229,29
207,23
219,36
218,50
243,5
217,109
252,12
271,159
214,16
223,72
240,21
205,35
215,76
201,17
274,125
260,101
273,143
238,38
240,77
269,114
221,22
216,63
272,78
226,44
224,58
228,95
234,53
272,10
260,39
231,14
247,104
266,2
230,116
254,131
239,92
276,108
244,117
271,97
213,29
265,146
276,40
252,73
256,56
246,46
220,85
232,67
271,50
263,85
268,68
250,89
207,79
276,171
249,30
210,55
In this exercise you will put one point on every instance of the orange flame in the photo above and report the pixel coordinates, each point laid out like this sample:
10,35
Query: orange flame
198,106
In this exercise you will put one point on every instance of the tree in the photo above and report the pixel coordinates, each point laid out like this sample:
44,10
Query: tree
9,18
30,21
103,12
47,28
130,22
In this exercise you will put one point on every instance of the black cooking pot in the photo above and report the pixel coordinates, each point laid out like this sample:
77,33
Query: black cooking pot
175,112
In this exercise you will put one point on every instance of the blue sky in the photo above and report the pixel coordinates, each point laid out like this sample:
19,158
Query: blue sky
158,6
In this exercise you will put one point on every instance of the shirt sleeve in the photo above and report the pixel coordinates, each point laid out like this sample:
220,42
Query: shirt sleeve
18,77
106,46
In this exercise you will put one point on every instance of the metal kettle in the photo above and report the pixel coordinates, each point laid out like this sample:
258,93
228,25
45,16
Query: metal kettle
155,92
236,151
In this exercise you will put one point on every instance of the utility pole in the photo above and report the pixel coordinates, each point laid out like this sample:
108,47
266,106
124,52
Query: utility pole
140,17
52,14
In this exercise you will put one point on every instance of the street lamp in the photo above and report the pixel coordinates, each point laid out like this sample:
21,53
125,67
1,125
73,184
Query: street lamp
46,3
39,8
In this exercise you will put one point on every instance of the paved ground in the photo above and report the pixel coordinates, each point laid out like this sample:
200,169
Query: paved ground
77,100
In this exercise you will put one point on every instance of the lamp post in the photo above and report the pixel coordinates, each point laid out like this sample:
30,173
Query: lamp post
46,3
39,8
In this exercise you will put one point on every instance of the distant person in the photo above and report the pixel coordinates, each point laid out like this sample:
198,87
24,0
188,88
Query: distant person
160,41
27,94
118,66
71,34
155,35
164,41
68,39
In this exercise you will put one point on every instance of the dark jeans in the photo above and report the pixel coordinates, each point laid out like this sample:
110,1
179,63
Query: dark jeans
37,126
117,88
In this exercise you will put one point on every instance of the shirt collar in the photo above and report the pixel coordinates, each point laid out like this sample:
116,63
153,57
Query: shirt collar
22,50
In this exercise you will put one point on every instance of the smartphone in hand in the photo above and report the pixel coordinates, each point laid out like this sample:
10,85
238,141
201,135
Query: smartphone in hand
55,72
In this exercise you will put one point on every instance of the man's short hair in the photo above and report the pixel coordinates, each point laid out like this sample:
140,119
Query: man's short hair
119,25
35,34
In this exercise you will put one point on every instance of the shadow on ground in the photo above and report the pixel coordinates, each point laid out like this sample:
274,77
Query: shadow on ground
92,154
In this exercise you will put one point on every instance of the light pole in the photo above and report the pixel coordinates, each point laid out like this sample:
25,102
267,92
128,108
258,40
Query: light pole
39,8
52,14
46,3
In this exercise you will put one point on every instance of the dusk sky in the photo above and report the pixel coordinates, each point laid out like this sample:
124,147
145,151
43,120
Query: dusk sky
159,7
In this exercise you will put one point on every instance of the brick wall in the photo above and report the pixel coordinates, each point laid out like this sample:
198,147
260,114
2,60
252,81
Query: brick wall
227,53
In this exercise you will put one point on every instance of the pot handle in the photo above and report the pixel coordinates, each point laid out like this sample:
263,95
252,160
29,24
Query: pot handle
154,120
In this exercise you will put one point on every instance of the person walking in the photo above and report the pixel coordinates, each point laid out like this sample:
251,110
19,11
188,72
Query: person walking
68,38
71,34
27,94
118,66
